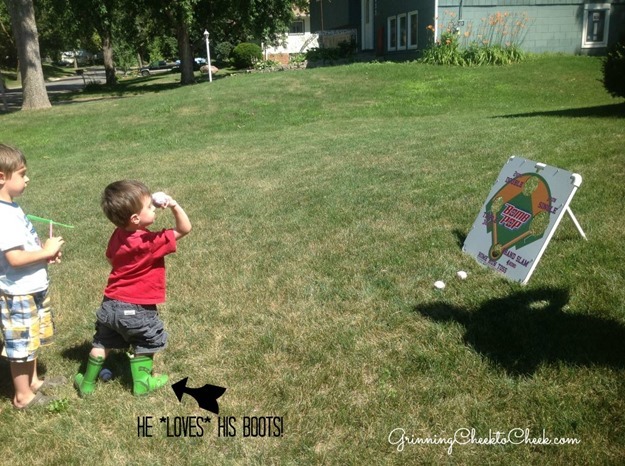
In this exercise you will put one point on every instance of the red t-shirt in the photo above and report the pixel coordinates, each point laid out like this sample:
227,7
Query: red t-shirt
138,259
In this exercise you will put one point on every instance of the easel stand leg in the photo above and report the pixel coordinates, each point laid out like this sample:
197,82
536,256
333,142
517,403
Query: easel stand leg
577,225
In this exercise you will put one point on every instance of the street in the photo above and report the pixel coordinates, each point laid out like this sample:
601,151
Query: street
56,87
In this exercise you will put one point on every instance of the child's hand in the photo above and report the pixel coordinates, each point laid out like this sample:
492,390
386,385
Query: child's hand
163,200
53,247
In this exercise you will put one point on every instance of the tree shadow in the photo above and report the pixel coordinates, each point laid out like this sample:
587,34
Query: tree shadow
93,91
527,329
601,111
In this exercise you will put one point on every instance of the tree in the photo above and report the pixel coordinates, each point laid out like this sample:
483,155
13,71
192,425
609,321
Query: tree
24,27
8,50
232,20
95,22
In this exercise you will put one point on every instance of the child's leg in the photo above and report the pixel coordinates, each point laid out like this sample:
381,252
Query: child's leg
22,373
24,331
99,352
45,330
143,381
85,383
35,382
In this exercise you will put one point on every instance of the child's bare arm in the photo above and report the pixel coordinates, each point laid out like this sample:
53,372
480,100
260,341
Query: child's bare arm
18,257
183,224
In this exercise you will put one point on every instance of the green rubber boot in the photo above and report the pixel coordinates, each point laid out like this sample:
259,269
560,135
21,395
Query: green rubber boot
143,382
86,383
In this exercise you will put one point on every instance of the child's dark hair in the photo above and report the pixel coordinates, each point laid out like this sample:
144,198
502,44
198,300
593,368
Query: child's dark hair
11,160
122,199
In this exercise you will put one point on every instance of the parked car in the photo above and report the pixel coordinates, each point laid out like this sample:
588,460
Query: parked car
197,63
155,67
81,57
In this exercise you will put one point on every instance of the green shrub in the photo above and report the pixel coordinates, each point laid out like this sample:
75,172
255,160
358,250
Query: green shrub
495,42
266,65
223,51
344,50
445,52
614,69
246,54
297,59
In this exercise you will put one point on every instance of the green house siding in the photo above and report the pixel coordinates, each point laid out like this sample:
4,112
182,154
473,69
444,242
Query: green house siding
553,28
393,8
552,25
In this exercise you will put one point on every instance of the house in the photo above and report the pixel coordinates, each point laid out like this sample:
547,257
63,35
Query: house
400,28
298,40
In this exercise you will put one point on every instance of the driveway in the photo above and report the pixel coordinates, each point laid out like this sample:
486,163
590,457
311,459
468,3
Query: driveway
55,87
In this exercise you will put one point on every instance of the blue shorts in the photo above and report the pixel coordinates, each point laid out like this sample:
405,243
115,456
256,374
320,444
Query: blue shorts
120,325
27,324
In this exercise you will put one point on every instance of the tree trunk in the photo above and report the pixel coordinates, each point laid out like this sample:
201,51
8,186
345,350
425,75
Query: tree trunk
24,26
109,64
186,56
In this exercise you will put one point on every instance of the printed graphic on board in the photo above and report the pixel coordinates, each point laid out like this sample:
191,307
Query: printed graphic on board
519,217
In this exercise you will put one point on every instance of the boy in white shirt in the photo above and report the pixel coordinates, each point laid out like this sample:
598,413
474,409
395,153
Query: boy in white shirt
26,317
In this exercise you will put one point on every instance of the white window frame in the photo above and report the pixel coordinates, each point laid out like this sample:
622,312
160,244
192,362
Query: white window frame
298,20
401,46
390,35
413,16
590,8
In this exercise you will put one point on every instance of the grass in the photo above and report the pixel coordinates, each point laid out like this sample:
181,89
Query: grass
325,203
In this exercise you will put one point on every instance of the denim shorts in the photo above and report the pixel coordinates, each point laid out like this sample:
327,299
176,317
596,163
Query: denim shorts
120,325
26,323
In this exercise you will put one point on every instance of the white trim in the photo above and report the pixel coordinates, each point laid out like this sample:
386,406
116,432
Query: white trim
368,30
388,33
411,14
401,46
596,8
436,31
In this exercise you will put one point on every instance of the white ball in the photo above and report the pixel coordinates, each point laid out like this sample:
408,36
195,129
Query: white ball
159,198
439,284
462,275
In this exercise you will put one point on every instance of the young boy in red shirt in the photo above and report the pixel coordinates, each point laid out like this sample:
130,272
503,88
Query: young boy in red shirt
136,284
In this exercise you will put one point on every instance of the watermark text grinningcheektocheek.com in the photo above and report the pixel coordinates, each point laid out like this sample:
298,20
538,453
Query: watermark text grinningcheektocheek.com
465,436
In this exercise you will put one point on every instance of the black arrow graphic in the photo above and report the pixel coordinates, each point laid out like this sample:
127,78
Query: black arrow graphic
205,396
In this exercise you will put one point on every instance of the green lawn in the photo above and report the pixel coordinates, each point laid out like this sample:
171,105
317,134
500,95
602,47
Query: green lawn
325,203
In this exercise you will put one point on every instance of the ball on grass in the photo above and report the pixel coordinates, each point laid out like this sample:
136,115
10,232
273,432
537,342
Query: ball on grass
439,284
106,375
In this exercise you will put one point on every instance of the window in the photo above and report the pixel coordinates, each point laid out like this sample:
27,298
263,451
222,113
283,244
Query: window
402,31
297,27
596,21
392,33
413,17
402,37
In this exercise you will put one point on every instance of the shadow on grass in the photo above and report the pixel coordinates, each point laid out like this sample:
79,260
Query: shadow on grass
6,381
520,332
124,88
461,237
601,111
117,361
